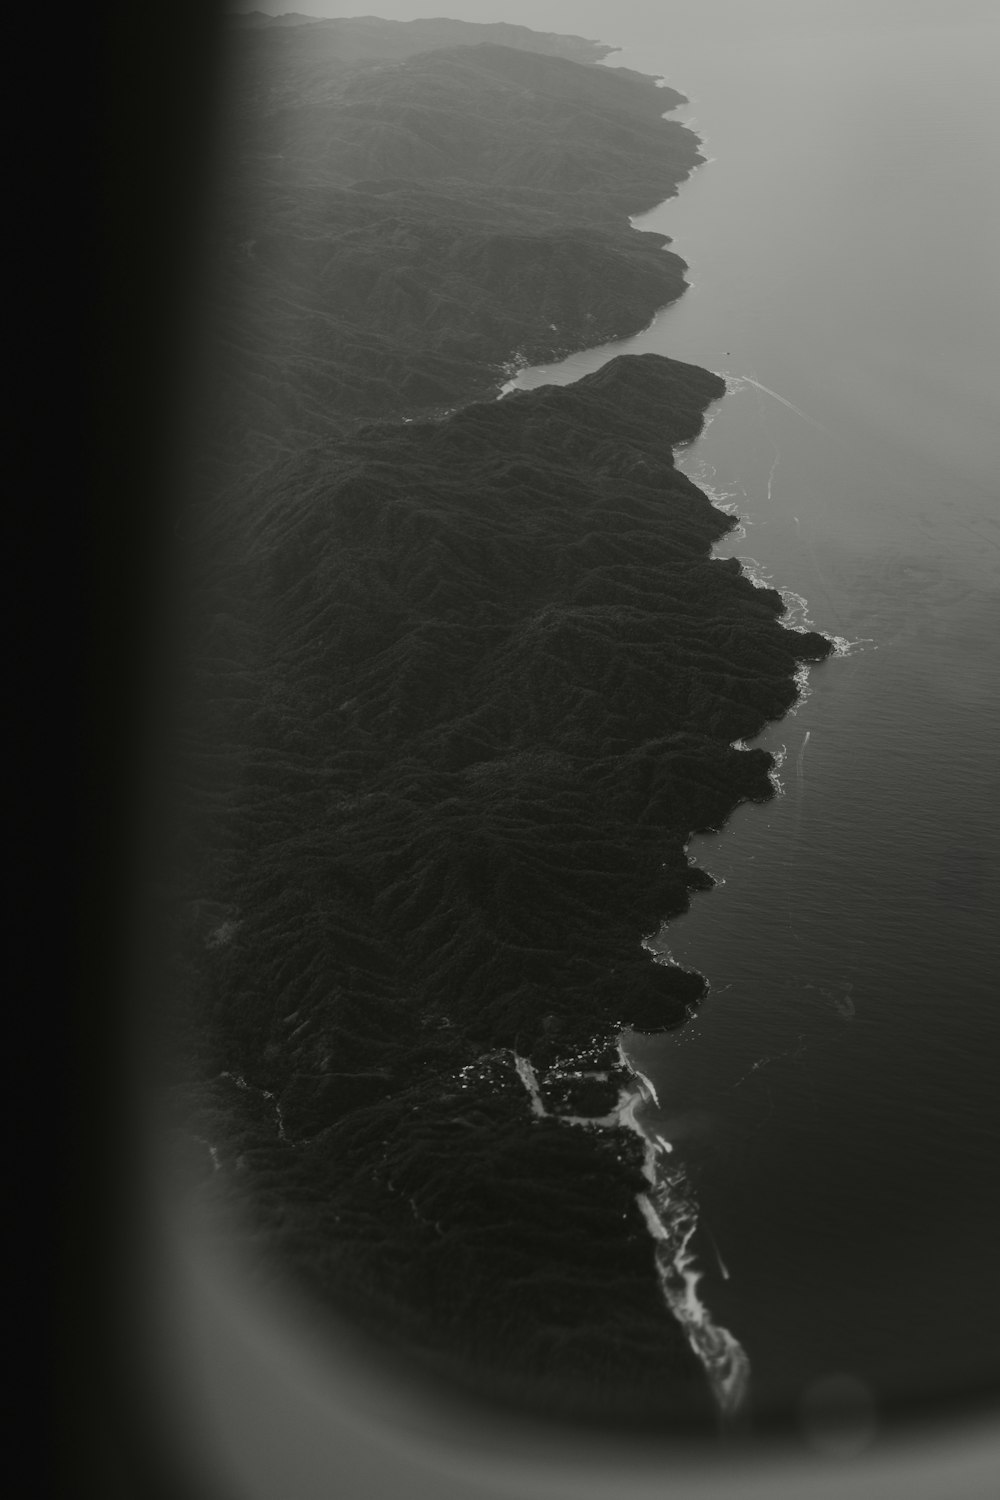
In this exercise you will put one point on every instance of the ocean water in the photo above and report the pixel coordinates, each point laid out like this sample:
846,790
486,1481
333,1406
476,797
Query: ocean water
835,1106
836,1102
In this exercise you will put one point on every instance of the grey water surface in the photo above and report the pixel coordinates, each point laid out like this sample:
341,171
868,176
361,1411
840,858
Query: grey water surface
837,1100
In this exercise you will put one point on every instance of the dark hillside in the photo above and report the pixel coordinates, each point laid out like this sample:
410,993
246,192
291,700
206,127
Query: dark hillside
472,684
392,249
462,683
325,42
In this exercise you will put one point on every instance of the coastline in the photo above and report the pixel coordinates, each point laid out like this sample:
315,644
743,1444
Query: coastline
472,731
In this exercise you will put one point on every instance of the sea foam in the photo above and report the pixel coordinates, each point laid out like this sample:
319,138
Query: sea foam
670,1212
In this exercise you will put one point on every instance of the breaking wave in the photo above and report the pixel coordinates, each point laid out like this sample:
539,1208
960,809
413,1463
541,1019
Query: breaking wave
670,1211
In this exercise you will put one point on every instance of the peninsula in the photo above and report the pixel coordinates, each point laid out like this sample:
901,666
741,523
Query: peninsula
464,679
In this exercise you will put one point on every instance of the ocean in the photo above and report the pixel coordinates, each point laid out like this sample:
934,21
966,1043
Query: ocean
835,1103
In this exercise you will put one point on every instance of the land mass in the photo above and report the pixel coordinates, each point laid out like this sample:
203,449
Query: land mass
395,237
464,684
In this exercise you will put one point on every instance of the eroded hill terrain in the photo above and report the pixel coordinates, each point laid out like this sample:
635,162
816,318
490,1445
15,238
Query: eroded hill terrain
462,685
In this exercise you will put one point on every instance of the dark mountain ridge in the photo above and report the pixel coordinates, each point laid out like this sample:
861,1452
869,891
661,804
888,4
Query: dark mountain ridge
461,689
395,248
344,41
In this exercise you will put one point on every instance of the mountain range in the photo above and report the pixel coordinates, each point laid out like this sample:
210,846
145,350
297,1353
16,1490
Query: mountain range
462,680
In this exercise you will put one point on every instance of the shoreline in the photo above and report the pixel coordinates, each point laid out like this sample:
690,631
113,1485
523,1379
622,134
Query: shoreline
672,1223
473,732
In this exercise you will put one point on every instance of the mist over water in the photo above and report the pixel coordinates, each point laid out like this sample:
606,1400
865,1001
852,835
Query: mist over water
835,1100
